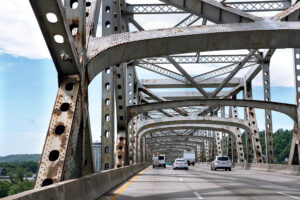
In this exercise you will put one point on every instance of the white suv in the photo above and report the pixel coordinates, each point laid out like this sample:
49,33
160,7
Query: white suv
221,162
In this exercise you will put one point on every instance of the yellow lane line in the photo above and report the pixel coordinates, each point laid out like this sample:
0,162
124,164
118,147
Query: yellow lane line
127,184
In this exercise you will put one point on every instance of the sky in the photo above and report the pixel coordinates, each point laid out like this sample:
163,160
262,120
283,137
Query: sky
28,79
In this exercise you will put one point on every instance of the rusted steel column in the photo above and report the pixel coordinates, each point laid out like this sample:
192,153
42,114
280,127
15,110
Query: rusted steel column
62,136
224,144
268,114
238,141
294,158
255,143
109,22
229,145
218,150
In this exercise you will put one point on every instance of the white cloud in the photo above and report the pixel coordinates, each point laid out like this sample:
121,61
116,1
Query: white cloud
281,69
20,34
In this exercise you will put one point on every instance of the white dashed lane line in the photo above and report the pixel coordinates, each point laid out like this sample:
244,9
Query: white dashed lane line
198,195
288,195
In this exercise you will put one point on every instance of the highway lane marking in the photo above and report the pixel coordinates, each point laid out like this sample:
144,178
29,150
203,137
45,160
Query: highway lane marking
127,184
198,195
288,195
180,179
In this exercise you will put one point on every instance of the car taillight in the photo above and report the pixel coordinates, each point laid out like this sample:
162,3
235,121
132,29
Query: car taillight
176,163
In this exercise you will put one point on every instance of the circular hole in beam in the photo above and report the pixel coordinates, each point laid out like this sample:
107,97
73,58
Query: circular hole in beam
47,181
74,4
51,17
69,86
60,129
59,39
65,107
53,156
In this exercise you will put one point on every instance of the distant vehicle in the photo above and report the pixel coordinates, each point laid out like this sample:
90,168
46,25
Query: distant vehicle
159,160
221,162
180,163
190,157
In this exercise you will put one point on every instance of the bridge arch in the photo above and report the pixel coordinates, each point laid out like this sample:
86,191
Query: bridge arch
125,47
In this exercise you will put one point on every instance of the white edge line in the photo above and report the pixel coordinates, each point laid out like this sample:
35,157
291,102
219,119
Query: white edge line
288,195
198,195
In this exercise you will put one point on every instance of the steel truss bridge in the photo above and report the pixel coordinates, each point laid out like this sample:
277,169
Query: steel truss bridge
138,117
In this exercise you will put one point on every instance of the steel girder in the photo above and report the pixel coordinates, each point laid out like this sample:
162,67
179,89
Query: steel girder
194,59
246,6
166,83
69,131
287,109
213,11
79,57
128,46
197,124
177,137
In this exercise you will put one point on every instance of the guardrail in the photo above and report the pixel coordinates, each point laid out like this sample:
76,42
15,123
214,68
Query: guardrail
278,168
88,187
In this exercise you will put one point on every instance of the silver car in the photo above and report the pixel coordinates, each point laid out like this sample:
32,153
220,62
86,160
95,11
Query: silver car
221,162
180,163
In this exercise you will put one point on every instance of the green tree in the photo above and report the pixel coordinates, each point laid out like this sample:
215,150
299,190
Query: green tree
4,188
20,187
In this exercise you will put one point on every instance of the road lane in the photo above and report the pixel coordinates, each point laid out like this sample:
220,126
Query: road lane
199,182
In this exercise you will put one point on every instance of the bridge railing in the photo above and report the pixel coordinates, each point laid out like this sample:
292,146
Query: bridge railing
88,187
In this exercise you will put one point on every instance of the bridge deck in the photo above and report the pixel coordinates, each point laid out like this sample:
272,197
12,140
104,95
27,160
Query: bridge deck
201,183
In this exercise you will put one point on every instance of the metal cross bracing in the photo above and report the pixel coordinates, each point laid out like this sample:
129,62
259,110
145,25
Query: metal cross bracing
247,6
172,106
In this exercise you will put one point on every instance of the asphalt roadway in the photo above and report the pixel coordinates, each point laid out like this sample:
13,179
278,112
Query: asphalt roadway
199,182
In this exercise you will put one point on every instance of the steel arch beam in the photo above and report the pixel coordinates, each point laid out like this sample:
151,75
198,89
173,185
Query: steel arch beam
181,137
221,128
288,109
196,125
176,142
124,47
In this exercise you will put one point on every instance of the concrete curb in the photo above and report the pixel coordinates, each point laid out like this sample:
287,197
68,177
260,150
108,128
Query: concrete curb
89,187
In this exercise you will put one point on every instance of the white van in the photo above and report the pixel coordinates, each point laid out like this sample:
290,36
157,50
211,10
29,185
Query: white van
159,160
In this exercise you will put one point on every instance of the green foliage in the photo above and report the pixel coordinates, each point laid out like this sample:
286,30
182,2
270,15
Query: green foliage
17,171
282,143
4,188
28,166
20,158
20,187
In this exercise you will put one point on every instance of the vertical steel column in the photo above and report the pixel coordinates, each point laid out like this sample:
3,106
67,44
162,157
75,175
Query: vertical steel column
255,135
61,142
122,73
109,22
268,114
224,144
238,135
229,145
207,149
294,158
218,150
229,140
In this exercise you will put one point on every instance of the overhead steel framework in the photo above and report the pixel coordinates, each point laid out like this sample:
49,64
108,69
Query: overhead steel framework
199,111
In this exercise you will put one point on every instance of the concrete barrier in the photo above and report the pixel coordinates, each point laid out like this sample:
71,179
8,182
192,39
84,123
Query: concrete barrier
278,168
88,187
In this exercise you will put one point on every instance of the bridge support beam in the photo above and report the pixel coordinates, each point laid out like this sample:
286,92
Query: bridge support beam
253,141
268,114
294,158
